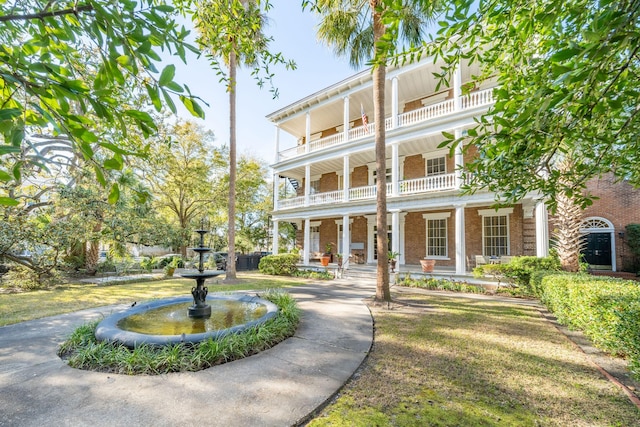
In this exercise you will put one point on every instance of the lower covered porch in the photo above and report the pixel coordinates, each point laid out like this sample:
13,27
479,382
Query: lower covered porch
457,238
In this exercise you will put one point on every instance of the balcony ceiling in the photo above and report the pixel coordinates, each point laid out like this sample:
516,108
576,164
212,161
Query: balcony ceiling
326,107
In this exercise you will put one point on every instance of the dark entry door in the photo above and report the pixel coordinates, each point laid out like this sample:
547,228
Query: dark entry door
597,250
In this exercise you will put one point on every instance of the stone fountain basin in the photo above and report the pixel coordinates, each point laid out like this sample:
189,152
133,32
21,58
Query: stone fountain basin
108,329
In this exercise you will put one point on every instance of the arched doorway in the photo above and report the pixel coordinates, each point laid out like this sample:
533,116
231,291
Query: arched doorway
599,248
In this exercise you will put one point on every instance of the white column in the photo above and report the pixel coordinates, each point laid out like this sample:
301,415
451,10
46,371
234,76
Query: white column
276,237
459,160
346,239
307,241
542,230
395,233
277,145
395,170
461,254
457,89
346,179
371,223
394,102
345,119
307,184
276,190
307,134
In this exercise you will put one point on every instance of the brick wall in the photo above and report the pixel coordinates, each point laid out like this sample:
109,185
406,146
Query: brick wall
414,167
328,182
360,176
359,235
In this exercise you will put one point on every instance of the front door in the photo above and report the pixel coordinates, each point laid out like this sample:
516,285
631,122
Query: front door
597,249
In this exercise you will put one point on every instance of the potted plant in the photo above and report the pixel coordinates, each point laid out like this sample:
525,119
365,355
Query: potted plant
393,259
326,257
339,260
170,268
427,265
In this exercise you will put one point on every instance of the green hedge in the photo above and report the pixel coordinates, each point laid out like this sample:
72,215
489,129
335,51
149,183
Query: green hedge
519,270
280,264
606,309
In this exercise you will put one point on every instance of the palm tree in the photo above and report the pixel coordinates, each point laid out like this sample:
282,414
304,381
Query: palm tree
224,27
355,28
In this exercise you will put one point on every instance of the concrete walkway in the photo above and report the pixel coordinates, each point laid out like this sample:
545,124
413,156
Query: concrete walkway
278,387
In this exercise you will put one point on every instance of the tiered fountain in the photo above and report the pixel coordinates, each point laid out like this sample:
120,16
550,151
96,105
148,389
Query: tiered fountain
170,321
200,309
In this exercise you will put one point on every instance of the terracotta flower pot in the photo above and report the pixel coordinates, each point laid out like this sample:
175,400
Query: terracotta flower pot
324,260
427,265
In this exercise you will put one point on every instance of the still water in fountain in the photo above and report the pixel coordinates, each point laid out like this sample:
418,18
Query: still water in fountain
174,319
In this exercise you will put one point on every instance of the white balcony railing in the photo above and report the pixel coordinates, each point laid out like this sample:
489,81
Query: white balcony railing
427,184
429,112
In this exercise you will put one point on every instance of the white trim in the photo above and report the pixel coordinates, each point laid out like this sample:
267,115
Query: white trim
495,212
437,215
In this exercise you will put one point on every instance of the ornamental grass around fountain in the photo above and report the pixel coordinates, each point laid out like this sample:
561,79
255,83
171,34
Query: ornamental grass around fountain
83,351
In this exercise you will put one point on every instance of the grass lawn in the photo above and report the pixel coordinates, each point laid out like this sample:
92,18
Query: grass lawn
18,307
448,361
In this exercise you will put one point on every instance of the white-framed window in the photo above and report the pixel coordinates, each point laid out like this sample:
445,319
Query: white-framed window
375,173
314,186
437,241
495,232
314,239
436,166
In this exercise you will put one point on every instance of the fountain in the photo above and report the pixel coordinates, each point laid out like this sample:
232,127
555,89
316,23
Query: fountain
173,320
200,309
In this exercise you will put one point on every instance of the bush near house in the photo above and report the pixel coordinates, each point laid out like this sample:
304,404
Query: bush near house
519,270
606,309
280,264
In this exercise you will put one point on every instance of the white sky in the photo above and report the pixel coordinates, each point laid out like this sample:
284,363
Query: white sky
317,67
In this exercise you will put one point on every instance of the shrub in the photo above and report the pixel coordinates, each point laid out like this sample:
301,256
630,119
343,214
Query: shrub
519,270
146,264
441,285
29,280
607,310
280,264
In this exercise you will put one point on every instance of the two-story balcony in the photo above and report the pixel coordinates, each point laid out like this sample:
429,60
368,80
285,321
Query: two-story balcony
442,109
427,184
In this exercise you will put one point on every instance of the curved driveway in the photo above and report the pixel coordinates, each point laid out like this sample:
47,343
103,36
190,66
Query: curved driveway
278,387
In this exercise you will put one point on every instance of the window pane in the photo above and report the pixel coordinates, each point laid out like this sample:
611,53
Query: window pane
496,235
437,237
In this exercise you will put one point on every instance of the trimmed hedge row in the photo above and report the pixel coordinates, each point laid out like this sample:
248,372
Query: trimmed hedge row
519,270
606,309
279,264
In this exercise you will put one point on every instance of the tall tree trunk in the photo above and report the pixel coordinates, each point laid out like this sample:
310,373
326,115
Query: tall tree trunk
567,236
93,252
379,74
231,264
567,223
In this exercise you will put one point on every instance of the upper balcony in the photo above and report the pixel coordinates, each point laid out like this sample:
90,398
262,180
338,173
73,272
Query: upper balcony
481,98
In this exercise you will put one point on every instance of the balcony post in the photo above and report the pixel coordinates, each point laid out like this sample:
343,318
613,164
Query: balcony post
346,179
394,102
345,119
457,89
542,230
307,241
307,134
276,237
395,170
395,233
461,256
459,160
346,240
307,184
277,145
276,190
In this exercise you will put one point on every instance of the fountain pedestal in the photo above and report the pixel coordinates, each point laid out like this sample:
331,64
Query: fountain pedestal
200,309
